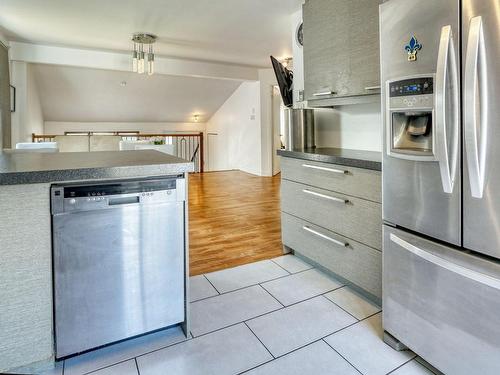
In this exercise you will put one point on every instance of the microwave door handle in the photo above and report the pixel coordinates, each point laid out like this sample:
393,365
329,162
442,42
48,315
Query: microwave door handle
447,71
475,87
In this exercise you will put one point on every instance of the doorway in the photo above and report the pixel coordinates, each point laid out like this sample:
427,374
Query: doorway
278,116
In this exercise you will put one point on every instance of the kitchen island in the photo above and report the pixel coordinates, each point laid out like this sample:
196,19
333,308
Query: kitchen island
26,295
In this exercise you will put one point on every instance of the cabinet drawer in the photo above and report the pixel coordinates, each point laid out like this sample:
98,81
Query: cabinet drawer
358,182
349,259
352,217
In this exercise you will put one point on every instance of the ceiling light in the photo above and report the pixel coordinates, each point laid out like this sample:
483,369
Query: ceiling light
138,54
196,118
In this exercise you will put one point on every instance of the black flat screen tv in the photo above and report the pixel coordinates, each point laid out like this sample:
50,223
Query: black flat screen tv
285,81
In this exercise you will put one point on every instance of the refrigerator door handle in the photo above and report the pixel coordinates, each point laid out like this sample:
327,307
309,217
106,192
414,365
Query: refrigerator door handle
446,264
475,107
447,75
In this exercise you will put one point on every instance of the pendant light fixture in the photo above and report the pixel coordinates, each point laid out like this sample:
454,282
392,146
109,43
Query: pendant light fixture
139,54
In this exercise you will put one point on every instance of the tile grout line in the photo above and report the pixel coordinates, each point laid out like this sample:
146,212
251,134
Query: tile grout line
267,313
341,356
135,357
240,322
312,342
213,286
248,286
273,311
137,366
307,299
340,307
107,366
267,291
257,337
280,266
401,365
232,325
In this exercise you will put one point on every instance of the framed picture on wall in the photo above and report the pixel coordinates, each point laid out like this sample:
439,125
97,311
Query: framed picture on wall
12,98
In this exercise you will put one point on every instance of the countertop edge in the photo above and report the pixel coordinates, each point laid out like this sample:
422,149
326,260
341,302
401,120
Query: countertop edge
332,159
94,173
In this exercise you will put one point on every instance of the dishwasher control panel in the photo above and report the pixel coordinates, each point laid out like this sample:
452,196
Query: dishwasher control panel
86,197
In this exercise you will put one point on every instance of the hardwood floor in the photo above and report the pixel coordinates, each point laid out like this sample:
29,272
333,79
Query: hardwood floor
234,218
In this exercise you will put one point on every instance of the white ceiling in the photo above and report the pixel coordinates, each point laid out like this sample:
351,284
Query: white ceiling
92,95
235,31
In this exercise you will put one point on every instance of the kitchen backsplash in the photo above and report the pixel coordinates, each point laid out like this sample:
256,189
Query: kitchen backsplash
355,127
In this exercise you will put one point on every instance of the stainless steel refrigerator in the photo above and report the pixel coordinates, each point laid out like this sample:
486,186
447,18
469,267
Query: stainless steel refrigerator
440,67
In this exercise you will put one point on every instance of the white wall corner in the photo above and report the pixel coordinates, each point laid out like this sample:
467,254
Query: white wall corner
267,81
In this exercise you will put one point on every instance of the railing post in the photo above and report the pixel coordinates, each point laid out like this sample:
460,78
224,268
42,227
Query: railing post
201,153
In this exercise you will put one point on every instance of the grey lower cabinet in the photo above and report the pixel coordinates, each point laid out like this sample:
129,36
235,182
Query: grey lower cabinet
341,48
332,215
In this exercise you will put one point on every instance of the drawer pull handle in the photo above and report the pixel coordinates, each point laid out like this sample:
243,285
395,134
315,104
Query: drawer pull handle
329,197
324,93
340,243
446,264
372,88
325,169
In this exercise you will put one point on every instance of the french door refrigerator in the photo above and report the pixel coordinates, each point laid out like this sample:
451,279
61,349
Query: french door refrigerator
440,67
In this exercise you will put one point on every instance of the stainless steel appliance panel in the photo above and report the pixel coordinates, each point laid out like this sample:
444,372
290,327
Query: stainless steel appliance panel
118,267
442,303
413,191
481,90
299,129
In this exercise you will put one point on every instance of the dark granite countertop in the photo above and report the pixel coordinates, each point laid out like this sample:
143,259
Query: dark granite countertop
351,158
30,168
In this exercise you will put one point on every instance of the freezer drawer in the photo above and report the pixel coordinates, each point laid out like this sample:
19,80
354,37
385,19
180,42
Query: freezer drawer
442,303
355,262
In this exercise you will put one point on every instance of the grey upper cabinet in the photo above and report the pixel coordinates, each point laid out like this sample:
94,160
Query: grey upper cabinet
341,48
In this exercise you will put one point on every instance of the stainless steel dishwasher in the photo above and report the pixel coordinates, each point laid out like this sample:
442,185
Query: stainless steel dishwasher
118,259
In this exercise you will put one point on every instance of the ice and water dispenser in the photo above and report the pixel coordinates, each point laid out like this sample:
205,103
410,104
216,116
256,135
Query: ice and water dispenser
410,106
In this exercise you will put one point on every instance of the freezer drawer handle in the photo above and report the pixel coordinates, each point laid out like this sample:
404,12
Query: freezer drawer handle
333,170
447,68
329,197
475,88
455,268
343,244
372,88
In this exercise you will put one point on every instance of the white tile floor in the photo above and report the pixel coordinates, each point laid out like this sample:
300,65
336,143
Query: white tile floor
270,317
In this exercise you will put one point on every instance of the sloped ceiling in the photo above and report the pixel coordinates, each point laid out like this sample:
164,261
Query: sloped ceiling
232,31
91,95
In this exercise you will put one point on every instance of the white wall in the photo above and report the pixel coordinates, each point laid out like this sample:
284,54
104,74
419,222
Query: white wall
56,127
28,117
355,127
237,144
267,81
298,59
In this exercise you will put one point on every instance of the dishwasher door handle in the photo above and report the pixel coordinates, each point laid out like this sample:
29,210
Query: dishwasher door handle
123,200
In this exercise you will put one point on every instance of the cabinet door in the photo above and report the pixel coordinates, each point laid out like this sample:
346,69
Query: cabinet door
341,48
364,49
324,67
